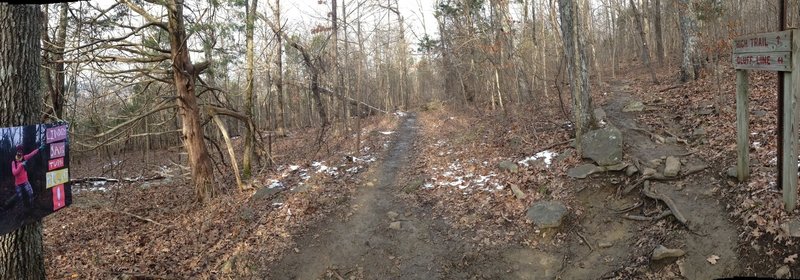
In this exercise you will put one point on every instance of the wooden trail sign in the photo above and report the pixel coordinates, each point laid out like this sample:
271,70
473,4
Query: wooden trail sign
764,51
773,51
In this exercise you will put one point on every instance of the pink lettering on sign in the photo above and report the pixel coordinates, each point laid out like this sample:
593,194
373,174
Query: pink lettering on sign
59,198
54,164
57,133
58,150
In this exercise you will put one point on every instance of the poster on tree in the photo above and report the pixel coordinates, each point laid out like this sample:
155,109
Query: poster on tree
34,173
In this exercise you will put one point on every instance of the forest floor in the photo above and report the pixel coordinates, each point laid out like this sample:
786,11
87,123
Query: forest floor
432,195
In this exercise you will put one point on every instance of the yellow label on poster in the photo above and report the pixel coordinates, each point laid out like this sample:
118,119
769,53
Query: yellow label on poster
57,177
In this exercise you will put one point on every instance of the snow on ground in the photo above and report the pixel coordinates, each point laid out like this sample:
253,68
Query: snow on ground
387,132
546,156
455,176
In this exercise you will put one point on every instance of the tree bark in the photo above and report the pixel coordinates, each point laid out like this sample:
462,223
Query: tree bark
280,115
658,31
645,49
247,159
688,26
21,251
184,77
574,51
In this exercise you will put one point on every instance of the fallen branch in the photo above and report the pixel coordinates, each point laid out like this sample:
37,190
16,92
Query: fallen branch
645,218
670,88
93,179
138,217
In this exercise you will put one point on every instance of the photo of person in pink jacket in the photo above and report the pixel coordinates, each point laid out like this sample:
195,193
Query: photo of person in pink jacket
22,187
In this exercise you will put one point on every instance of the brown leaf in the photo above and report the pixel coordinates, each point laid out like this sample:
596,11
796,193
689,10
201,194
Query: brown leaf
712,259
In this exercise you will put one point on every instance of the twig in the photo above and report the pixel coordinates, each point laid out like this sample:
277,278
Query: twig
627,209
138,217
585,241
554,145
670,88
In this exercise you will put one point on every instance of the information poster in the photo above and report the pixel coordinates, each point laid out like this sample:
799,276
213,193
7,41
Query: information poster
34,173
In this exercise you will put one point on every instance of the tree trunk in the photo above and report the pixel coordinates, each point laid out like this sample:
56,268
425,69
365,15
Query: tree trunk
688,26
184,77
21,252
574,51
247,158
659,35
280,115
645,49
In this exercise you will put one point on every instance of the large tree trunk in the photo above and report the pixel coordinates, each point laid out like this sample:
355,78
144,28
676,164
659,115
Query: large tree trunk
184,77
645,49
688,26
21,253
574,51
247,159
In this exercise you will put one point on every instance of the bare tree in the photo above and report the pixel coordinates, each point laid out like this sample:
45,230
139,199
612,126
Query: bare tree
575,53
688,26
645,49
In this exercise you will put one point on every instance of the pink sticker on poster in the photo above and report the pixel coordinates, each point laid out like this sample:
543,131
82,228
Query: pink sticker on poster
58,150
57,133
59,198
54,164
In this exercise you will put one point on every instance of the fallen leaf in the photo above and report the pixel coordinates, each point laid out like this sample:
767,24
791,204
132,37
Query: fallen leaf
713,259
790,259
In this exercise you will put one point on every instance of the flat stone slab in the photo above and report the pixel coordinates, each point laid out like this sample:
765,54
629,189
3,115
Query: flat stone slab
547,214
634,106
662,252
584,170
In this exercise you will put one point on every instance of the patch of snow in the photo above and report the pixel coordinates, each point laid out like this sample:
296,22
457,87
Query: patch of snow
365,159
322,168
386,132
428,186
353,169
400,114
96,184
294,167
275,184
547,156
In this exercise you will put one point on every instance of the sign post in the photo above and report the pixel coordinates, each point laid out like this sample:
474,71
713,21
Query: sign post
774,51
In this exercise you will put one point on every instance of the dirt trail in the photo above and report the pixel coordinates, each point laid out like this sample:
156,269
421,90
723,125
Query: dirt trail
697,196
362,244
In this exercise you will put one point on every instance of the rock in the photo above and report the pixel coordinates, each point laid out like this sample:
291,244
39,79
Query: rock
547,214
370,184
599,114
732,172
792,228
706,111
655,162
508,166
517,192
584,170
631,170
414,185
699,132
605,244
247,214
783,272
264,193
301,188
672,167
392,215
662,252
603,145
634,106
395,225
649,172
